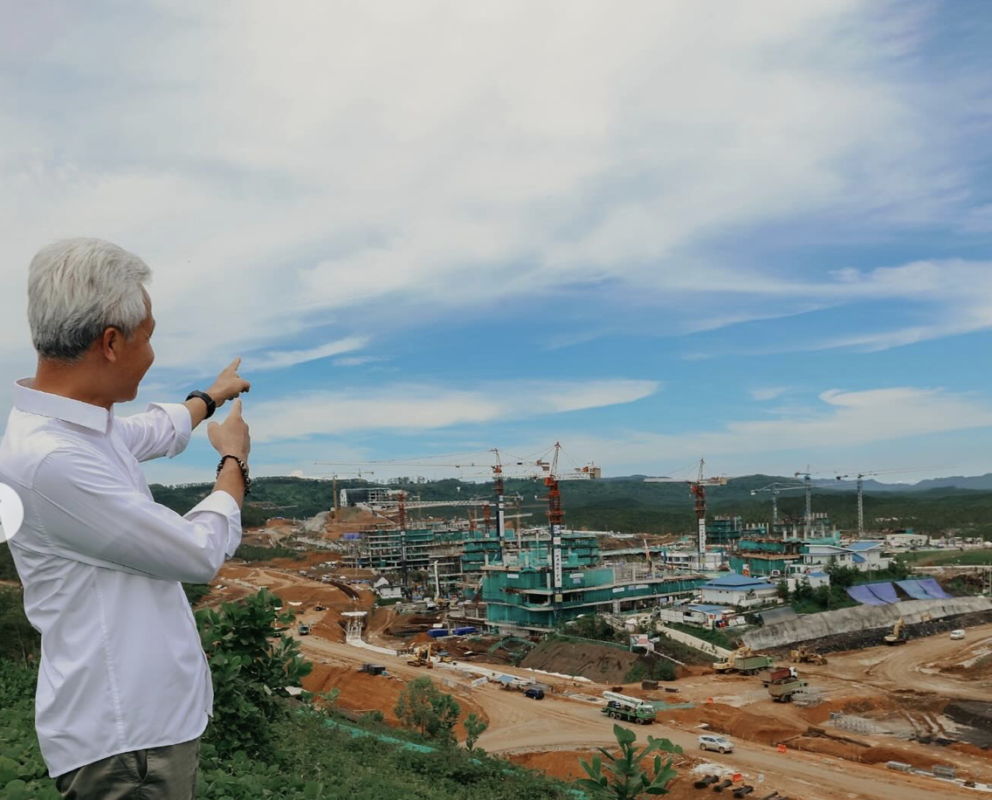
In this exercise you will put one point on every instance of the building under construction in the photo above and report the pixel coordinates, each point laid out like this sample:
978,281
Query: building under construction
521,594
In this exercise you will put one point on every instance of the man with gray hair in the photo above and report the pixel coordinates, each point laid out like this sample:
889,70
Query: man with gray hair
124,688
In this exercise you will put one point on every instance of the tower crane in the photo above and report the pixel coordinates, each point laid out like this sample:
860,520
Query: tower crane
776,489
697,489
335,477
860,478
807,477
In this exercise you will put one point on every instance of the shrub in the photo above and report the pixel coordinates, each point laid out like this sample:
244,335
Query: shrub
252,662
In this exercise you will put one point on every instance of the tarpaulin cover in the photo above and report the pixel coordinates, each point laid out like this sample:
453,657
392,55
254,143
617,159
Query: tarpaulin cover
864,596
885,592
914,590
932,588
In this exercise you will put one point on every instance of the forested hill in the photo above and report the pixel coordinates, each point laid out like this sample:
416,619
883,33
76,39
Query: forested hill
629,504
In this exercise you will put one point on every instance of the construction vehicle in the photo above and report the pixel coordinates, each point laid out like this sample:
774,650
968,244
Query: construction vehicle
898,635
745,661
444,657
784,686
304,629
629,709
776,675
421,657
372,669
803,655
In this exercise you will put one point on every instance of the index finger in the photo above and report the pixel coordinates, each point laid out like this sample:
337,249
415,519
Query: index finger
235,408
235,364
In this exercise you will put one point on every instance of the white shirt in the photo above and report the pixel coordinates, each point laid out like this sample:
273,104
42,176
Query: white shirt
122,667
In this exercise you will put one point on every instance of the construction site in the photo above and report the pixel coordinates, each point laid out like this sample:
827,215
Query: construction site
889,698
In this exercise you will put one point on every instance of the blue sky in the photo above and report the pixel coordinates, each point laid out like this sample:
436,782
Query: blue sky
647,230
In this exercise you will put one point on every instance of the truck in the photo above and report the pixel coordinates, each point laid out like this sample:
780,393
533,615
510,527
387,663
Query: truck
629,709
783,691
745,661
777,675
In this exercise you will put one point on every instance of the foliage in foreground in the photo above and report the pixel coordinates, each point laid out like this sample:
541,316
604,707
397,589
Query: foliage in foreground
624,778
252,662
308,760
427,709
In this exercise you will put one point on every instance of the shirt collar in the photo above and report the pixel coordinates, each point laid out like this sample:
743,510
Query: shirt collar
65,409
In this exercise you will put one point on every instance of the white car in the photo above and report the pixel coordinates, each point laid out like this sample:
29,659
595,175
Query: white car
958,634
719,743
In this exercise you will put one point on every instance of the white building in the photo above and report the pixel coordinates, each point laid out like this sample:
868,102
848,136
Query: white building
738,590
864,556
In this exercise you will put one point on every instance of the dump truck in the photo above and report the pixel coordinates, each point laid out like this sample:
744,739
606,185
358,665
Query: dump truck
777,675
803,655
783,690
745,661
629,709
898,636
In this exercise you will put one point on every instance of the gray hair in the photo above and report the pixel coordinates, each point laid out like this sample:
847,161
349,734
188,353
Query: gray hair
77,288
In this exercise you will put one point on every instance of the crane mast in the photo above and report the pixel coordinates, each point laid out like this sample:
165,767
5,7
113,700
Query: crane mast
697,488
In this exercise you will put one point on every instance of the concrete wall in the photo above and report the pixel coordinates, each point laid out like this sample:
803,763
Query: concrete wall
693,641
848,620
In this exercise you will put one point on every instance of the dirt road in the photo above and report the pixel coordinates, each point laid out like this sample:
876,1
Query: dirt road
908,667
517,724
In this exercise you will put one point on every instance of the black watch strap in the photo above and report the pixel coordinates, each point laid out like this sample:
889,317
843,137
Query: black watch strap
206,398
242,466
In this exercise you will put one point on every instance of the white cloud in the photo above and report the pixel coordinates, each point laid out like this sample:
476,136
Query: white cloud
311,172
357,361
845,421
412,407
288,358
768,393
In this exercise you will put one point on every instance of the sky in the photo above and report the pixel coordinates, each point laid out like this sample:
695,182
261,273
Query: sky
756,233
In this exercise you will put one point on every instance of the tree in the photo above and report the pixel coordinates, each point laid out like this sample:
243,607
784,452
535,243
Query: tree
19,641
475,726
628,780
782,589
252,662
423,706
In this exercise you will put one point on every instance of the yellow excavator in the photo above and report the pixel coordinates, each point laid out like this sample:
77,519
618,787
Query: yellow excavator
421,657
803,655
897,636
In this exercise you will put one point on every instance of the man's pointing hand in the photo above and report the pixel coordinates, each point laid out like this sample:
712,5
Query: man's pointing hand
228,384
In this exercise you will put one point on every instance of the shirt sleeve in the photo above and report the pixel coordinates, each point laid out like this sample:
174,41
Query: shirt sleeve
89,514
161,430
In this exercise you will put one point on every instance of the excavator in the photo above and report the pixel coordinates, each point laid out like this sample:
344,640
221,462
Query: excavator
421,657
803,655
897,636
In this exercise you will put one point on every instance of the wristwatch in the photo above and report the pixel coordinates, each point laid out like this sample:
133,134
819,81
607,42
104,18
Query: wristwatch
206,398
244,471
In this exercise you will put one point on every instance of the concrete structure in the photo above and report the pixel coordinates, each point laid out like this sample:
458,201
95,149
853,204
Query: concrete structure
906,539
738,590
688,560
848,620
728,530
519,595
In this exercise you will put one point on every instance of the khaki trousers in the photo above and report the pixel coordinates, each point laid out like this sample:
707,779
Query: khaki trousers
156,773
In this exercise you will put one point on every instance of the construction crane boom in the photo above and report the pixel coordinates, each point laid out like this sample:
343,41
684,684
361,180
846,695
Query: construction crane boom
860,478
776,489
697,489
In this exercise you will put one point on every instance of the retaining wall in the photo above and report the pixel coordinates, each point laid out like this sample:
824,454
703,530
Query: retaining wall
693,641
849,620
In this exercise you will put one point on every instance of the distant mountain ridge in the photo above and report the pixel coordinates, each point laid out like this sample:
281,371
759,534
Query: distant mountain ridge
977,483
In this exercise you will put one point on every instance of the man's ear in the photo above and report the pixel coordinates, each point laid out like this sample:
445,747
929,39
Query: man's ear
110,344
